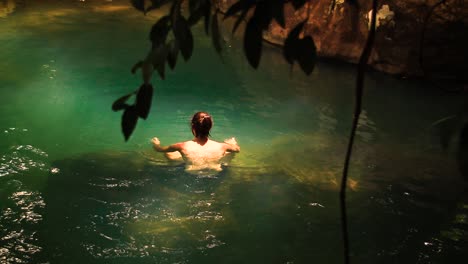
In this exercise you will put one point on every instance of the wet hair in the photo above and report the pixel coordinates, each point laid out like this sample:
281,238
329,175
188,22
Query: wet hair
201,124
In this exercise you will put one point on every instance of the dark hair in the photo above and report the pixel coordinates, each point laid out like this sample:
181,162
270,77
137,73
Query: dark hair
201,124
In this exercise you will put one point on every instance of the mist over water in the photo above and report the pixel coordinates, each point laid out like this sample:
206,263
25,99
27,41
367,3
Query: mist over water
72,191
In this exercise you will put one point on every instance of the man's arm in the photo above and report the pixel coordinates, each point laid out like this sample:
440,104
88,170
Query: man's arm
157,146
231,145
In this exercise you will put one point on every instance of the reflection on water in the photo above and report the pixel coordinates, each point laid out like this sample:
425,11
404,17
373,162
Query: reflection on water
118,206
19,220
72,192
20,158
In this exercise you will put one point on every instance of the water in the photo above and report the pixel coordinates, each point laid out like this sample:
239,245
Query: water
71,190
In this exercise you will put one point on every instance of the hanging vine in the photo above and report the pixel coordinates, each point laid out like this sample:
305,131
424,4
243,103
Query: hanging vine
357,112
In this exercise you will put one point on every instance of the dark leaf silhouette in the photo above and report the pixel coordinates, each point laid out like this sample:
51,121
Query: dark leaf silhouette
353,2
143,100
129,121
308,54
233,9
158,59
253,42
136,66
301,50
184,37
291,44
215,35
298,3
199,9
139,4
263,14
194,5
278,12
239,20
196,12
120,103
155,4
160,69
173,52
195,17
159,31
237,7
207,9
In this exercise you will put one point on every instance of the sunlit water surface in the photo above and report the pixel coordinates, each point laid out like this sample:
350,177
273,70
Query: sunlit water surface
72,191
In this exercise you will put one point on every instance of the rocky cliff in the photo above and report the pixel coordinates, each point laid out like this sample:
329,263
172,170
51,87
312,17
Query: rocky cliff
413,37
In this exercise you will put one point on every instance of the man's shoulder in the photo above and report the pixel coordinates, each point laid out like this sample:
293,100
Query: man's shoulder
179,145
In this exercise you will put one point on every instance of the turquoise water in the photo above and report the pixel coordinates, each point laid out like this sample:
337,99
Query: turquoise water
72,191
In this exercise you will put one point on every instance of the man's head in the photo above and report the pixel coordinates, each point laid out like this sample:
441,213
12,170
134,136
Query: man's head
201,124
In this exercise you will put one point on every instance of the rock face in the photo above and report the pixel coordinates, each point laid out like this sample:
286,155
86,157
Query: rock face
6,7
413,37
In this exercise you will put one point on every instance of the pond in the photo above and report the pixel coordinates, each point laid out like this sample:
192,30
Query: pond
73,191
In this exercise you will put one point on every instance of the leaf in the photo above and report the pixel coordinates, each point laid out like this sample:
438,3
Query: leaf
159,31
298,3
194,5
278,12
215,35
157,4
147,69
197,10
253,42
291,43
241,5
301,50
353,2
136,66
129,121
235,8
184,37
173,52
195,16
160,69
296,31
120,103
175,12
307,54
139,4
158,59
263,14
239,20
207,9
143,100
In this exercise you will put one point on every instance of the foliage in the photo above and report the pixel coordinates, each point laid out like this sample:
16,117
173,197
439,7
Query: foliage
172,35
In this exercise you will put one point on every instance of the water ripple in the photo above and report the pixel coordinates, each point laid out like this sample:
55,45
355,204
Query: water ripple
22,158
17,224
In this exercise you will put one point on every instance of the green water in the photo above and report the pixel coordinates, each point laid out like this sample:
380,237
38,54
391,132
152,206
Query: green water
71,190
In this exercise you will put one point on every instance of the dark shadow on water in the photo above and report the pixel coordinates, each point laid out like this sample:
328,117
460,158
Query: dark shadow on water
124,208
92,199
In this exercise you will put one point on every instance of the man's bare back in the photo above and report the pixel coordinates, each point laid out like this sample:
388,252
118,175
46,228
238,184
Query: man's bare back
200,153
203,156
